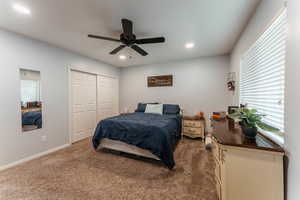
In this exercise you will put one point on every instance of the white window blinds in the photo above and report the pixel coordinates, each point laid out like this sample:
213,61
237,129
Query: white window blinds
30,91
262,73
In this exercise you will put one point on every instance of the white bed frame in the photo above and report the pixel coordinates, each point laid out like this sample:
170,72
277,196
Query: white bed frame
128,148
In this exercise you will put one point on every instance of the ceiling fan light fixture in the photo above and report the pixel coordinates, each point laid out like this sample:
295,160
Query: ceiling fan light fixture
122,57
21,9
189,45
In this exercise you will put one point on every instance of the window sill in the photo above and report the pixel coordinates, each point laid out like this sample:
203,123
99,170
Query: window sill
278,139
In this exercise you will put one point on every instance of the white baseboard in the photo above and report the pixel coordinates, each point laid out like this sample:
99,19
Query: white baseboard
33,157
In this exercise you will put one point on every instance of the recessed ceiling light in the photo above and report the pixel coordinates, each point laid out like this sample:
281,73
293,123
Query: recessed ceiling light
21,9
122,57
189,45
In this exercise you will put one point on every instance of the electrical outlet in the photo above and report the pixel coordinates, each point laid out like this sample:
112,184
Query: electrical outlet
44,138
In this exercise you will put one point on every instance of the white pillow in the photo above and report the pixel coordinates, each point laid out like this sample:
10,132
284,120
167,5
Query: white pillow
154,108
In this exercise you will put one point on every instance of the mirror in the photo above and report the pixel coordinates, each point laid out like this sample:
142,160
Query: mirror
31,104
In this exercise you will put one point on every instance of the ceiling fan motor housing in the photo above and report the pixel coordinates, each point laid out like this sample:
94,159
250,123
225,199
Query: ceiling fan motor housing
128,40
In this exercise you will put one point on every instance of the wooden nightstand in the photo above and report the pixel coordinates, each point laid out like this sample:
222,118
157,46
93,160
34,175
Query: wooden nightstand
193,127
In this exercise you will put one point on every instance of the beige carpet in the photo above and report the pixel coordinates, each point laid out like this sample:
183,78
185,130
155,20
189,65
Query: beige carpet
80,173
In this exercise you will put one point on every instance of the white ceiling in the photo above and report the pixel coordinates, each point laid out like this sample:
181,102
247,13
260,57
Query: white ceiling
213,25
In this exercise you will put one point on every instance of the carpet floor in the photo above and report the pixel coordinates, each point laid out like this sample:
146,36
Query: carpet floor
80,173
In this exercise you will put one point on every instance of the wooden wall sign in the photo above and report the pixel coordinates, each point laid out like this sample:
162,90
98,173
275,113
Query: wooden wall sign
160,81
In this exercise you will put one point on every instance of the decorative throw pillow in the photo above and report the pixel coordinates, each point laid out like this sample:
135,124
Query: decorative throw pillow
154,108
171,109
142,107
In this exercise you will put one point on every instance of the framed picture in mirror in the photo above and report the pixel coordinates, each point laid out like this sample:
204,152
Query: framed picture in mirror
31,100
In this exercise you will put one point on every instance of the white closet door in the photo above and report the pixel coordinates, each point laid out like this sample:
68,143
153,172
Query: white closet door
84,105
108,97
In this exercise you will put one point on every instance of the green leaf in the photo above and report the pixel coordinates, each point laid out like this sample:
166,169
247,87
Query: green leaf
253,111
267,127
235,115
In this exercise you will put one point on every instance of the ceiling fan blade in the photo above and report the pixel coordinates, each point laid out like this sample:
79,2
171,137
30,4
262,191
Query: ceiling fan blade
139,50
104,38
127,28
150,40
116,50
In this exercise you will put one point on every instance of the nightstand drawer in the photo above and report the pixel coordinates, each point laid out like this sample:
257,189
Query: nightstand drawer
192,130
193,135
192,123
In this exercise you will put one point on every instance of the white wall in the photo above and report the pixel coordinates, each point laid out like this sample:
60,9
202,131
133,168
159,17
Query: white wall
199,85
265,12
53,63
292,100
263,16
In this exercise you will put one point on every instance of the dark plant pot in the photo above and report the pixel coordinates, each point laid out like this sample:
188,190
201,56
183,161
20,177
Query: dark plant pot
249,132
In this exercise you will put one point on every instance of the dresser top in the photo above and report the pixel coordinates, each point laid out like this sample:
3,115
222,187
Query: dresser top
226,135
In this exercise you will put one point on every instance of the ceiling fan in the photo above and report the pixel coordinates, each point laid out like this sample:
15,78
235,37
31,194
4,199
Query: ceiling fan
128,39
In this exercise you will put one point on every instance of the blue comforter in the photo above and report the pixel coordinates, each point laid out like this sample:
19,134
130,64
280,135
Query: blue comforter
32,118
156,133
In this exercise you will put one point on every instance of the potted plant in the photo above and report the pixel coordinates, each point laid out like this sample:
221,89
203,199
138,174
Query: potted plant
250,120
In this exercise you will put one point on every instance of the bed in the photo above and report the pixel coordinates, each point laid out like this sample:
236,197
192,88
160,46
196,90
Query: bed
32,118
144,134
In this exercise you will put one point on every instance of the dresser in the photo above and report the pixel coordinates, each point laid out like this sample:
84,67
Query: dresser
193,127
246,170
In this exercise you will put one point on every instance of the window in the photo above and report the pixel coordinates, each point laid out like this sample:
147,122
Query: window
262,73
30,90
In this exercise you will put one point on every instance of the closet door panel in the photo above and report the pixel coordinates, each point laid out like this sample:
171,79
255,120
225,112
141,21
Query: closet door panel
107,97
84,101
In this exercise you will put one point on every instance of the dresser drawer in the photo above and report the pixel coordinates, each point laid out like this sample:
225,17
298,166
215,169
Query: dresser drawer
217,170
219,189
215,149
192,123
